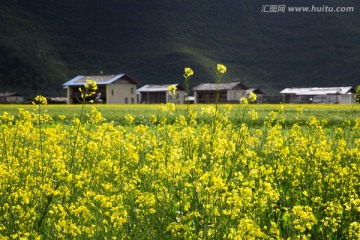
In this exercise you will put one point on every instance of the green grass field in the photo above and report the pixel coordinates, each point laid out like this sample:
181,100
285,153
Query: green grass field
334,114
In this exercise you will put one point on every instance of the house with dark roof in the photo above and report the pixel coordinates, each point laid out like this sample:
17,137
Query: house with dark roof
112,89
160,94
11,98
342,95
227,92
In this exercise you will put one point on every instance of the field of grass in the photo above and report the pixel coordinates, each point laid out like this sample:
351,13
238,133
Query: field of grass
334,114
167,171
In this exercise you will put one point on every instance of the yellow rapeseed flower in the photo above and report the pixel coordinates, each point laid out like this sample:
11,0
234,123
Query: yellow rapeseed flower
90,88
244,100
91,85
221,68
254,115
252,97
129,118
40,100
354,230
188,72
172,90
192,172
304,218
62,117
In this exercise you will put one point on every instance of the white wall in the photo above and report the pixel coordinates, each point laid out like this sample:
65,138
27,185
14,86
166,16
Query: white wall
342,99
178,98
346,98
121,93
235,95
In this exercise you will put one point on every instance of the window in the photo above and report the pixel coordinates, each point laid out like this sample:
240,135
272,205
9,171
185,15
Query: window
112,92
132,90
126,100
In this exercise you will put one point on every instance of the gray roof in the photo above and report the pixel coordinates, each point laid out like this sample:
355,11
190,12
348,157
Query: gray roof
220,86
99,79
158,88
318,91
254,90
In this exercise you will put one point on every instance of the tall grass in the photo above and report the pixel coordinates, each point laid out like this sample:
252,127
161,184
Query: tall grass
334,114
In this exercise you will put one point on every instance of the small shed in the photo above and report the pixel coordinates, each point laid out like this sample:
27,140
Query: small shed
160,94
11,98
112,89
342,95
228,92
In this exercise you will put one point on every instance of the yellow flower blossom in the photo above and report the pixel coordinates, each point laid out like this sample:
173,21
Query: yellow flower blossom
91,85
304,218
208,174
172,90
252,97
129,118
40,100
188,72
254,114
244,100
221,68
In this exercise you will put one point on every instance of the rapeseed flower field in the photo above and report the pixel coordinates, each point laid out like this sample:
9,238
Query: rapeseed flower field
88,178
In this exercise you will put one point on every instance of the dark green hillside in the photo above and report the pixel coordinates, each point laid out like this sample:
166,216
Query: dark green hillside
43,43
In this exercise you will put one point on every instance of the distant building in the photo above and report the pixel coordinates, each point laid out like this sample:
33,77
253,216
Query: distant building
119,88
228,92
160,94
343,95
56,100
11,98
259,94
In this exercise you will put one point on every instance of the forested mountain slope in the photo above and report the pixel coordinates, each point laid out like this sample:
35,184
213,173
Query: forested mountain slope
44,43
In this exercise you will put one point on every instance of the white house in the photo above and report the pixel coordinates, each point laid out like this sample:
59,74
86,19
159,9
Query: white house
160,94
343,95
119,88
